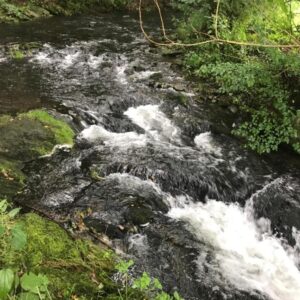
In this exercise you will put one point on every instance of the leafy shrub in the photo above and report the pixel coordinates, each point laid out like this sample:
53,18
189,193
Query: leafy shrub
148,287
263,82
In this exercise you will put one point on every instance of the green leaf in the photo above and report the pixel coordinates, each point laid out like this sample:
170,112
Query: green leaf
28,296
34,283
14,212
3,206
177,296
2,230
6,282
123,266
162,296
19,238
157,284
143,282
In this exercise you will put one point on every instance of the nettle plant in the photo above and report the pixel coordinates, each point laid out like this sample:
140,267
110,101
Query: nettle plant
14,283
149,288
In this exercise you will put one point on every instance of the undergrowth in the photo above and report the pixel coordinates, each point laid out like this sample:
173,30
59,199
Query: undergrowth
39,260
14,11
263,83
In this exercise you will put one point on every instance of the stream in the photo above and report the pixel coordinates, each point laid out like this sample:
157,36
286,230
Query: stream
152,163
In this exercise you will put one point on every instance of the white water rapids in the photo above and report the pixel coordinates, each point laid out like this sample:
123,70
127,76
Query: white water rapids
245,253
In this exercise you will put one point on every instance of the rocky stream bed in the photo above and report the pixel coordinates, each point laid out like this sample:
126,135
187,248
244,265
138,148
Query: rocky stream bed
153,171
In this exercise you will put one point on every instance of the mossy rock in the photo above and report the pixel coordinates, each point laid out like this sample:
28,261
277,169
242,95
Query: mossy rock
63,133
19,51
24,138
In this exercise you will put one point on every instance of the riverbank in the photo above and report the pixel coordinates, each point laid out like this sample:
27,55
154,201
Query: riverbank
15,11
249,62
40,259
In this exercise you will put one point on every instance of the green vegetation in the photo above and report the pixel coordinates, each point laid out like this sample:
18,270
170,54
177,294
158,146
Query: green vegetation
39,260
26,137
147,287
19,51
17,10
63,134
263,82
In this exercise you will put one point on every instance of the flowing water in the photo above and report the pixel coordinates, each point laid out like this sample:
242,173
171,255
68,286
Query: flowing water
153,166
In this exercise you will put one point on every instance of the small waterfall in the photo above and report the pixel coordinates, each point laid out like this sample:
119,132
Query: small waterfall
154,167
245,252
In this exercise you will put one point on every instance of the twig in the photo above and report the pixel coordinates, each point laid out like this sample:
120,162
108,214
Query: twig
214,39
216,18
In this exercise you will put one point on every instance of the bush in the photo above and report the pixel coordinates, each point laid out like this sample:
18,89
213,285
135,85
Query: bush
262,87
262,82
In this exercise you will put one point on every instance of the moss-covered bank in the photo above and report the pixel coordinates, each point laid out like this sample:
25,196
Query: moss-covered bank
73,268
26,137
18,10
76,269
40,260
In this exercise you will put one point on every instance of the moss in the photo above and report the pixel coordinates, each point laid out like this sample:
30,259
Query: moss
16,54
11,178
21,50
4,120
63,132
11,170
21,11
74,267
26,137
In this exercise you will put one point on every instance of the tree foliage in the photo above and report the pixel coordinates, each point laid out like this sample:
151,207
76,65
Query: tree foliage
262,81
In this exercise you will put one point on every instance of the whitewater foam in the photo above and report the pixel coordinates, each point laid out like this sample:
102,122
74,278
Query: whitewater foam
154,122
205,141
96,134
245,251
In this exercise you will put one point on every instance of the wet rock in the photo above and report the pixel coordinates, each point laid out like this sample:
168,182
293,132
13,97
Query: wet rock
23,139
280,203
233,109
111,230
179,87
156,76
138,214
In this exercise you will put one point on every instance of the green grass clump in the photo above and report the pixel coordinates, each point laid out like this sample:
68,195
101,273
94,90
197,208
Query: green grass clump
40,260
